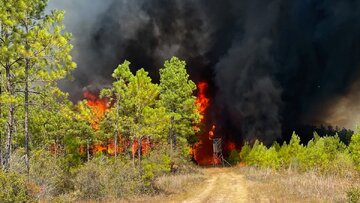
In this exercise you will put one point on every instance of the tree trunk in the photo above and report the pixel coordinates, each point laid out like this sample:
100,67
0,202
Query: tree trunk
171,136
115,145
117,126
26,117
88,150
10,122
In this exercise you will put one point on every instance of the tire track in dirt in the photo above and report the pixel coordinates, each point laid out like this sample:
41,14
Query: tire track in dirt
223,185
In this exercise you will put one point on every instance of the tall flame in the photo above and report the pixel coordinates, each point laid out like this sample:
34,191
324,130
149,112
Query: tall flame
202,151
202,101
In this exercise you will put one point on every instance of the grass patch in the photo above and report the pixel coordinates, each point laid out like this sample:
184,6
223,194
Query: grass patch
292,186
179,183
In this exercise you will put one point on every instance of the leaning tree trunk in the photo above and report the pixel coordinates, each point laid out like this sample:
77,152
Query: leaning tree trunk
26,117
10,122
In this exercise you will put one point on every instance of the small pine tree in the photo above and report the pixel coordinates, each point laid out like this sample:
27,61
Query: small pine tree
245,150
354,148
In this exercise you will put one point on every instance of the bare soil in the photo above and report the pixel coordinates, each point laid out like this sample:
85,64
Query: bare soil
221,185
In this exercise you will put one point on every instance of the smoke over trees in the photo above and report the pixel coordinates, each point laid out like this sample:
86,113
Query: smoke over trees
275,65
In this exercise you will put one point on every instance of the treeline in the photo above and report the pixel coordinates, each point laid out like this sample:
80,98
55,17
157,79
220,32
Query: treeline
47,143
326,155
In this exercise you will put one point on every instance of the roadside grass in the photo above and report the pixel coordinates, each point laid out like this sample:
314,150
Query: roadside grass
179,183
266,185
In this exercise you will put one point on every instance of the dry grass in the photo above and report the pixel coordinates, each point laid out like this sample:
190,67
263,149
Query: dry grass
175,184
291,186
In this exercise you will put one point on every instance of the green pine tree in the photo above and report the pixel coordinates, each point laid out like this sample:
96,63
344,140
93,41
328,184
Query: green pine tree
176,95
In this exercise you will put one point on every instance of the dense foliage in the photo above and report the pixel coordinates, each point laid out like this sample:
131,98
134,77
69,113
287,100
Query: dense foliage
324,154
111,145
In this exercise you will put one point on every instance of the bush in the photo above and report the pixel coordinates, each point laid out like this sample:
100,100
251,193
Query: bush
89,181
321,153
353,195
46,172
154,165
354,148
291,154
263,157
13,188
234,157
245,151
105,178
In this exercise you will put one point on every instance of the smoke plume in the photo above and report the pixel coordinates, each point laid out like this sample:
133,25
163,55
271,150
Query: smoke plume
274,65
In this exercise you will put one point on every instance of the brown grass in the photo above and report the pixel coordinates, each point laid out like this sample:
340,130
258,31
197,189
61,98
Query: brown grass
291,186
175,184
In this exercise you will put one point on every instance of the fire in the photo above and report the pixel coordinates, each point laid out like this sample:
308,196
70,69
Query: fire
202,101
202,151
99,107
231,146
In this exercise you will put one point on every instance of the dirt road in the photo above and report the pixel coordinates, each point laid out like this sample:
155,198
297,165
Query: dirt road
222,185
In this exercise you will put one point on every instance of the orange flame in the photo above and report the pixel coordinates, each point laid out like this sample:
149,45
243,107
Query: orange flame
202,151
202,101
98,106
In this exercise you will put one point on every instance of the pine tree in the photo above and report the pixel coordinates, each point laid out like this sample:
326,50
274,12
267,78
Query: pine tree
136,112
176,95
35,54
117,95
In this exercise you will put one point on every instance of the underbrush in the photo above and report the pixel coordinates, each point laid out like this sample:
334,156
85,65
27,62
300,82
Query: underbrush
100,179
324,155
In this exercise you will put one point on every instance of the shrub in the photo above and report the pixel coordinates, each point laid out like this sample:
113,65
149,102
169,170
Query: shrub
234,157
89,180
46,172
291,154
154,165
342,165
245,151
321,153
13,188
354,148
263,157
105,178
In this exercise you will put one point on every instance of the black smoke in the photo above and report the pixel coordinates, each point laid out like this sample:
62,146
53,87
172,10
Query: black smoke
273,65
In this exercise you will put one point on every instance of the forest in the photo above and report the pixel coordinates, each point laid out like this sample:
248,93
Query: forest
134,128
120,140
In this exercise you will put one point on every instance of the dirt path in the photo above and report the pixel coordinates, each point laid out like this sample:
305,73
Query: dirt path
223,185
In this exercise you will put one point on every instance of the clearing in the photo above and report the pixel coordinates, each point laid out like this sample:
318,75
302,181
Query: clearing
221,185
